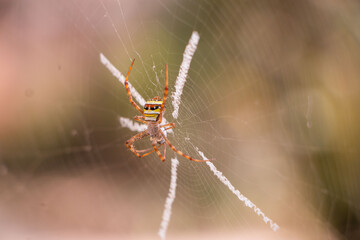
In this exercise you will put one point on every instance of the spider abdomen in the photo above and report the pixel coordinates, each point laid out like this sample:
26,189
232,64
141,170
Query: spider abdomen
154,132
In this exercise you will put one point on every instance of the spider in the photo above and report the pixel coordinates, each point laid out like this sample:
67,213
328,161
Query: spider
152,117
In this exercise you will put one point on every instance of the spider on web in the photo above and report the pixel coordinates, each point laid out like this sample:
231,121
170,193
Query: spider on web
152,117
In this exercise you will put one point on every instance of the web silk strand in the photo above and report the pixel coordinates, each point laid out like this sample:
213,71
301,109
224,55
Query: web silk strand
183,72
133,126
241,197
136,127
121,78
169,200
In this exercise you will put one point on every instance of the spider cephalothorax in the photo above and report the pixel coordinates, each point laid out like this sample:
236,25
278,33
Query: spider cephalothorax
152,117
152,109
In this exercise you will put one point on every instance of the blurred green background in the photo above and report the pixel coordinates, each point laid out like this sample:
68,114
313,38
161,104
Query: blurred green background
272,95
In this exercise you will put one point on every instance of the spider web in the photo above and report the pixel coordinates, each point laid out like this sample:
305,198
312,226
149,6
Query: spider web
271,94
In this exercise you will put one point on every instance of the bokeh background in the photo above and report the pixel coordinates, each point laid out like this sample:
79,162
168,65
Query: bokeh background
272,95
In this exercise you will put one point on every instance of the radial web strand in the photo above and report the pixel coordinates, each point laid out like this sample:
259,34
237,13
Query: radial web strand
169,200
241,197
183,72
121,78
133,126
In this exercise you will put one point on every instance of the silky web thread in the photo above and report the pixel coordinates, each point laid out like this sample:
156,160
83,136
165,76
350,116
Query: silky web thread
241,197
169,200
183,72
121,78
133,126
179,86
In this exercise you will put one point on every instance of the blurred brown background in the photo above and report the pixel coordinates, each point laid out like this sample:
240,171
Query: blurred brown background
272,94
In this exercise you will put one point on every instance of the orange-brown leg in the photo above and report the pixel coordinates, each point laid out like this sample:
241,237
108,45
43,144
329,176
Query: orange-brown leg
164,151
128,91
140,119
165,126
130,143
179,152
145,150
158,152
145,154
165,93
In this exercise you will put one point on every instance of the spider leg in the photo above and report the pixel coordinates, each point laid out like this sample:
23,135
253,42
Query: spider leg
150,151
165,126
128,91
179,152
145,154
164,150
144,150
140,119
158,152
130,143
165,93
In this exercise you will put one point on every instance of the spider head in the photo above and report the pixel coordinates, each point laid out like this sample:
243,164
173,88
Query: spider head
152,109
